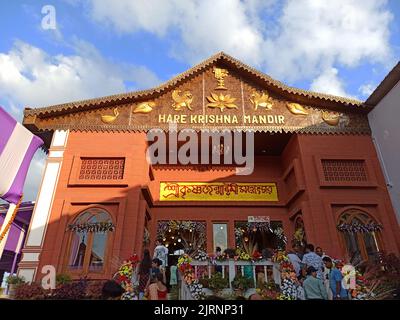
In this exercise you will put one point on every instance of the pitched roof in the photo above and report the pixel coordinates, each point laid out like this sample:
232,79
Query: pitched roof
221,56
387,84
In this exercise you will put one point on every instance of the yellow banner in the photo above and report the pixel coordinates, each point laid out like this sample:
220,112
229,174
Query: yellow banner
217,191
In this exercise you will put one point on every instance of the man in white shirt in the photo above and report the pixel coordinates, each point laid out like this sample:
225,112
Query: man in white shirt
161,252
295,260
321,253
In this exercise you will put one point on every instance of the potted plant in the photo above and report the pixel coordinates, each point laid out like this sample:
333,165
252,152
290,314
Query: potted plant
217,283
13,282
63,278
241,284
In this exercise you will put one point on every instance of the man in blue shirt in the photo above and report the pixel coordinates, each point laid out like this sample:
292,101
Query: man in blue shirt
335,281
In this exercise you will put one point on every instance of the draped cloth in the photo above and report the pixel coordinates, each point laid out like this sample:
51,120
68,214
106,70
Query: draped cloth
17,147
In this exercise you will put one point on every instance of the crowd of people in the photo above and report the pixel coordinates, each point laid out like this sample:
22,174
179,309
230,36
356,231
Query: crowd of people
315,271
317,274
150,276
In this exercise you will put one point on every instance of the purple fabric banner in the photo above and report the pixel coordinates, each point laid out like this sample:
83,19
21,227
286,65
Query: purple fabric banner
17,148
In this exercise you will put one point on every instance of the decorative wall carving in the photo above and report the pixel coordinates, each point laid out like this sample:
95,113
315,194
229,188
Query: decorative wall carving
145,107
110,119
261,100
221,101
220,74
331,119
182,100
296,109
194,103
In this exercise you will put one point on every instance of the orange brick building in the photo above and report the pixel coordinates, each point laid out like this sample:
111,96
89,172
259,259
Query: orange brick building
316,174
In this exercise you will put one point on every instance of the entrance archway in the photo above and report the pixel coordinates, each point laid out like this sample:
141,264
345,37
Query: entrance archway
181,236
259,236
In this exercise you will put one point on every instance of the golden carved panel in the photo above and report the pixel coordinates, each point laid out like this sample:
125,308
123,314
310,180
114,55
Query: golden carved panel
195,103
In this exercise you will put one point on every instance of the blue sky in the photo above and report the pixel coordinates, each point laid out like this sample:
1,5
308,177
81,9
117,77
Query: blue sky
99,47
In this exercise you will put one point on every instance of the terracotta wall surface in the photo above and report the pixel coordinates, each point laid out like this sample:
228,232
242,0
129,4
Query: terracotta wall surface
373,199
296,172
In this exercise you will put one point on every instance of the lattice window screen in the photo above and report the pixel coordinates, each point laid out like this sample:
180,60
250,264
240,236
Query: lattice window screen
344,170
102,168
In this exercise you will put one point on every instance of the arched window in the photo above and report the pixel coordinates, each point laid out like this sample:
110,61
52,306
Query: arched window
89,238
361,235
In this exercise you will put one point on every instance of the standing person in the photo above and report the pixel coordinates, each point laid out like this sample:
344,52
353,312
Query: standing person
218,253
161,252
157,289
311,259
173,278
314,288
299,250
295,260
155,267
144,272
321,253
335,281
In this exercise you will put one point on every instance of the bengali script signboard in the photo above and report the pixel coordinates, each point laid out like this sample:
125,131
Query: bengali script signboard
217,191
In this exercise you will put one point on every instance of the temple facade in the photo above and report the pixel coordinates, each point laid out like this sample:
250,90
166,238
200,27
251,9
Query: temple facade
315,177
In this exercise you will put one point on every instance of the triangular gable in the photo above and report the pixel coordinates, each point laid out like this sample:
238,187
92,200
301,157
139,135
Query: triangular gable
220,92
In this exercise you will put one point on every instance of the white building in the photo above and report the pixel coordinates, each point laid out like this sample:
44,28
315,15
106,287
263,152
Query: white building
384,120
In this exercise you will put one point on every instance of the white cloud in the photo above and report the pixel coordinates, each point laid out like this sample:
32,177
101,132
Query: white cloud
366,89
300,41
31,77
204,26
329,82
316,35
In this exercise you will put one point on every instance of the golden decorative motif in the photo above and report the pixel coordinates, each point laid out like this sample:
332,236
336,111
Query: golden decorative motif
220,74
221,101
145,107
331,119
296,108
181,100
261,100
110,119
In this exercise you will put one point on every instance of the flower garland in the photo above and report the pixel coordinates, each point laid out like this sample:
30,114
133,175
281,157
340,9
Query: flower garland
196,289
92,227
289,282
125,273
172,225
201,256
356,227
